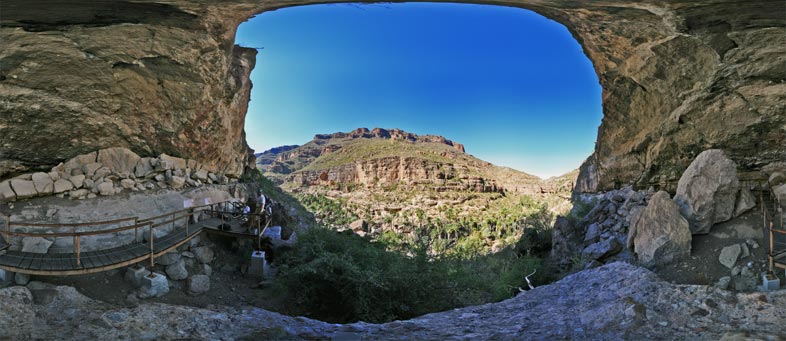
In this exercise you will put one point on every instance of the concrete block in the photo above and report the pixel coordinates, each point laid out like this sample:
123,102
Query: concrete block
258,264
135,273
770,282
154,285
6,278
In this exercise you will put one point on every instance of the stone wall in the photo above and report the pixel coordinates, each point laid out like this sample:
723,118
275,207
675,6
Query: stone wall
109,172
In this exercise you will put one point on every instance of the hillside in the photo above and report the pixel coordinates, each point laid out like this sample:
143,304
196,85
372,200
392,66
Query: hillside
416,187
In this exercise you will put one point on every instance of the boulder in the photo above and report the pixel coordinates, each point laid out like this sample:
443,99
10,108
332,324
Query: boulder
90,169
62,185
76,163
198,284
564,239
78,194
171,162
21,279
106,188
728,256
602,249
6,193
118,160
203,254
200,175
745,201
176,182
43,183
658,233
776,179
177,271
168,258
127,183
143,167
593,232
35,245
780,193
707,190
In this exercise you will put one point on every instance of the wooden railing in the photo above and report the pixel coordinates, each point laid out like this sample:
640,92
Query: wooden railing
773,222
150,224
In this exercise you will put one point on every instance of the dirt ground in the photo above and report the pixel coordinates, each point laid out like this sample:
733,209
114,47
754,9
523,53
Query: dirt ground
703,266
229,286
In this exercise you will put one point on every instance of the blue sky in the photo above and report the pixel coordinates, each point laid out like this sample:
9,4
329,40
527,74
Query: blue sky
514,87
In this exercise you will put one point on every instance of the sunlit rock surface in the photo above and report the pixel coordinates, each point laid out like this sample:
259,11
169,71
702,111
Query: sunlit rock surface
615,301
678,78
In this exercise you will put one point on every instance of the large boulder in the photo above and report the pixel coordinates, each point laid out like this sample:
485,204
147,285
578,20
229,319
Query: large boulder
144,167
23,188
707,190
118,160
729,255
62,185
43,183
658,233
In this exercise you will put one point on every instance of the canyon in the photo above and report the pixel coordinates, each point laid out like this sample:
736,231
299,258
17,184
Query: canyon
165,81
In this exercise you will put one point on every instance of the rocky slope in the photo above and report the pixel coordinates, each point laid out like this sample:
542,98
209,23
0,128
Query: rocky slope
615,301
678,77
382,157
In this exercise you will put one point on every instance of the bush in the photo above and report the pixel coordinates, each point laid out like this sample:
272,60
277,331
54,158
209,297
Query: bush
340,277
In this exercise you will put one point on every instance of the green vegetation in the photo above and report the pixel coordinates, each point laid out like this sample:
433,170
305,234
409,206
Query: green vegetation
341,277
328,211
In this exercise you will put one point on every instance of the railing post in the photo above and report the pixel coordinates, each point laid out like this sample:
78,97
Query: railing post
78,251
73,230
136,229
7,229
152,253
188,218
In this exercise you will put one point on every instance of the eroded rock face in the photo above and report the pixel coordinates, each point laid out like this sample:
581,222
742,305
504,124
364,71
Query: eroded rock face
678,78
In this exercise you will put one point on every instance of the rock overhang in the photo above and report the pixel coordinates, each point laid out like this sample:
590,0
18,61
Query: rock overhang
677,78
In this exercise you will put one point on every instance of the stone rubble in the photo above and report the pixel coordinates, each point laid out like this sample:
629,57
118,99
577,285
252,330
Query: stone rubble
109,172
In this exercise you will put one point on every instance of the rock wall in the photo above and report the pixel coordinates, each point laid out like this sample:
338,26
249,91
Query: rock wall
678,78
403,170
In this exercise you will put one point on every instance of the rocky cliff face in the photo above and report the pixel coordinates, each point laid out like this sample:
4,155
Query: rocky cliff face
81,76
678,78
381,157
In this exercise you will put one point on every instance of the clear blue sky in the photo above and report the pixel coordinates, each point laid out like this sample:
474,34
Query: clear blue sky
514,87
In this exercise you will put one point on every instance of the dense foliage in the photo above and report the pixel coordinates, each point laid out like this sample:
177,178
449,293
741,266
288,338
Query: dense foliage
341,277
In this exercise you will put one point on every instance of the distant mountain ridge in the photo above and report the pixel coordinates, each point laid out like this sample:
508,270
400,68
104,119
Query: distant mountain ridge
393,156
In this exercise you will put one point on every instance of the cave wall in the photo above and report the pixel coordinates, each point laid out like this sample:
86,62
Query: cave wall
678,77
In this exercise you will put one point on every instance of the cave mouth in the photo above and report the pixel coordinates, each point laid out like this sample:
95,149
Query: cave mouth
511,85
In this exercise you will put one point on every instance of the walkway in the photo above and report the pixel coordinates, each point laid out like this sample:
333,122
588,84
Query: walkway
179,226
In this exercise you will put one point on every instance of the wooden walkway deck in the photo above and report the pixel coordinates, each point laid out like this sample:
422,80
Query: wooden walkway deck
77,262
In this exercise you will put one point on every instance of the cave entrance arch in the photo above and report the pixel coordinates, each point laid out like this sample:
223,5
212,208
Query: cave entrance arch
514,87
